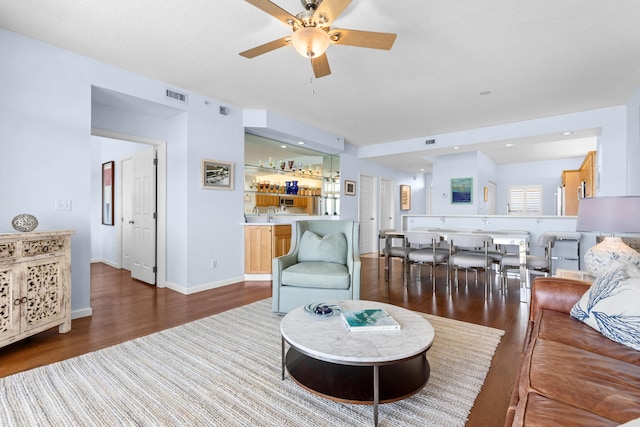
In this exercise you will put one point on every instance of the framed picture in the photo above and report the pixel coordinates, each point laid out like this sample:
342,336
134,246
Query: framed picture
461,190
405,197
349,188
107,193
217,175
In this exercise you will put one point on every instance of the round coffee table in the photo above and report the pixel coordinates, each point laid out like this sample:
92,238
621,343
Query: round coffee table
357,367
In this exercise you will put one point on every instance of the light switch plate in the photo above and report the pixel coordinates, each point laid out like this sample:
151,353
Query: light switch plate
63,205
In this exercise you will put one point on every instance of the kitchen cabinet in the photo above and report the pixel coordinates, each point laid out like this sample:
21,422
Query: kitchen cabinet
588,174
262,243
35,284
579,183
572,184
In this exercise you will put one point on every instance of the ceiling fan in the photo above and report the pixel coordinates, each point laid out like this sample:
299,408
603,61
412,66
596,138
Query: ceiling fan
312,33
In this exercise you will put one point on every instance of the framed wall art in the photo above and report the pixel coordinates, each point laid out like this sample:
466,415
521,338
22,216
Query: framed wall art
349,188
217,175
405,197
107,193
461,190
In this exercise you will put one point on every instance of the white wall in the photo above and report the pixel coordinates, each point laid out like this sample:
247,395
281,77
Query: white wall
633,155
614,142
547,174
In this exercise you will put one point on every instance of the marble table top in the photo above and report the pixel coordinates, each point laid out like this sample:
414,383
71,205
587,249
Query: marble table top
327,338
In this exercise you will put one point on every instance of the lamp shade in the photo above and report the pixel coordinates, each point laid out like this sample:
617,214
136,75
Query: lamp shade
310,42
619,214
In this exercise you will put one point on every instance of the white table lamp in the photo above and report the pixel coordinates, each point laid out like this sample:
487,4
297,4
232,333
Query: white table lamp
619,214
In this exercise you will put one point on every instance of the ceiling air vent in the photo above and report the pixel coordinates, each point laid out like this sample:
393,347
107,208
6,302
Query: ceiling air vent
172,94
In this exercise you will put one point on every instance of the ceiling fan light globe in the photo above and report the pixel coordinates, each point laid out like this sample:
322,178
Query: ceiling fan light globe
310,42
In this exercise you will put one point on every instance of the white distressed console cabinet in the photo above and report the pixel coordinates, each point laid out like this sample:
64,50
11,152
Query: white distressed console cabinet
35,284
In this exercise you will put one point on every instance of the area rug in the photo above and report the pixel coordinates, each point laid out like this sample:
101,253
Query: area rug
224,370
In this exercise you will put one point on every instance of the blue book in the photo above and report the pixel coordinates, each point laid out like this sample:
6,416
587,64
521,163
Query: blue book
368,320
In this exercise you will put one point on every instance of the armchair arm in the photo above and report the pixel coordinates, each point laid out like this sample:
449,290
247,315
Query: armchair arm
354,266
557,294
277,265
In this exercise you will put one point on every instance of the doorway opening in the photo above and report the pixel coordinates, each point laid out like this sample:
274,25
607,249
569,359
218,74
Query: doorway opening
135,220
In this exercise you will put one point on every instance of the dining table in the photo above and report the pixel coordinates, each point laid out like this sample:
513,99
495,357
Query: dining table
519,238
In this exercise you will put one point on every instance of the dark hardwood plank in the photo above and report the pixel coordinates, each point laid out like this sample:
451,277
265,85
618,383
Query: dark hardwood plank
124,309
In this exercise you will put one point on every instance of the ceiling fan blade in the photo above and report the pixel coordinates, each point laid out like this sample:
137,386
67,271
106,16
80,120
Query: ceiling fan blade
320,66
357,38
329,10
275,11
267,47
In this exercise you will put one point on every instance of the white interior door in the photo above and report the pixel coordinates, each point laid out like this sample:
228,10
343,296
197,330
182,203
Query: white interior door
126,204
367,215
387,207
143,266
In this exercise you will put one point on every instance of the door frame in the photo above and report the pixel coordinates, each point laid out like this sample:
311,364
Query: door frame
161,199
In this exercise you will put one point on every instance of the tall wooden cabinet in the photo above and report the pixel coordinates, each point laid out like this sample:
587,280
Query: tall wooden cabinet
262,243
579,183
35,284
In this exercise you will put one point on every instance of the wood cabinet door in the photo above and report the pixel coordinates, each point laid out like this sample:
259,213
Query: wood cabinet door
9,293
257,249
572,182
281,240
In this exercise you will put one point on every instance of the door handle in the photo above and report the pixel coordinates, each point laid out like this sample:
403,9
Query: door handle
130,222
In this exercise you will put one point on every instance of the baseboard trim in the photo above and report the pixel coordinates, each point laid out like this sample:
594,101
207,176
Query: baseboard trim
83,312
204,286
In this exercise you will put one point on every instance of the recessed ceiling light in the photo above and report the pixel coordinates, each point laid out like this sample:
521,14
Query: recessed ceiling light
283,146
300,142
421,169
456,148
567,133
508,145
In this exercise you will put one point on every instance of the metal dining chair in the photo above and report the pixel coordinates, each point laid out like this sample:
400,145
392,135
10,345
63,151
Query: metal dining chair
426,250
471,252
533,263
394,251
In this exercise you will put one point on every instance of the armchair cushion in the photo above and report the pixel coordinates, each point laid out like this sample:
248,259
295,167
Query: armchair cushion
325,275
329,248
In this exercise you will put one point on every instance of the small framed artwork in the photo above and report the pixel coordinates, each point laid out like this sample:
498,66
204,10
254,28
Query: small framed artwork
217,175
405,197
461,190
349,188
107,193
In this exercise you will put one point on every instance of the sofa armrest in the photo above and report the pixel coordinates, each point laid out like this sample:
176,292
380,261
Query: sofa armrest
554,293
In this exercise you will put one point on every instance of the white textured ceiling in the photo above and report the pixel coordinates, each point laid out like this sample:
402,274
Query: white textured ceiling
537,58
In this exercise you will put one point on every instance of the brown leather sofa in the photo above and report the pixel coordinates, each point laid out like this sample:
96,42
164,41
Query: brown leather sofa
570,374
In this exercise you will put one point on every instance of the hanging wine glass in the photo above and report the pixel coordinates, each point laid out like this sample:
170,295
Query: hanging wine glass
290,164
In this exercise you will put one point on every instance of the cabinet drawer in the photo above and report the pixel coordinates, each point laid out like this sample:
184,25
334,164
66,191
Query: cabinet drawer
43,246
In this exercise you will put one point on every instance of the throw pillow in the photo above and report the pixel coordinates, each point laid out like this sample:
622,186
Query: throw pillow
330,248
611,306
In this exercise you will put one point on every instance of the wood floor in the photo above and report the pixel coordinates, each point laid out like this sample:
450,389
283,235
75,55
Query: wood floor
124,309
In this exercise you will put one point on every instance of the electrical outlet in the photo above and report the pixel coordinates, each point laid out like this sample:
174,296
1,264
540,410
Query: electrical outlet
214,263
63,205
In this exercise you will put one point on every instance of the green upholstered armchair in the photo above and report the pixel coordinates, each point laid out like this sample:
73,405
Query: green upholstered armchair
323,265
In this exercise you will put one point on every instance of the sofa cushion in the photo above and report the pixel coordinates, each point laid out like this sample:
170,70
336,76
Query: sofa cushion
326,275
330,248
556,326
536,410
604,386
611,306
